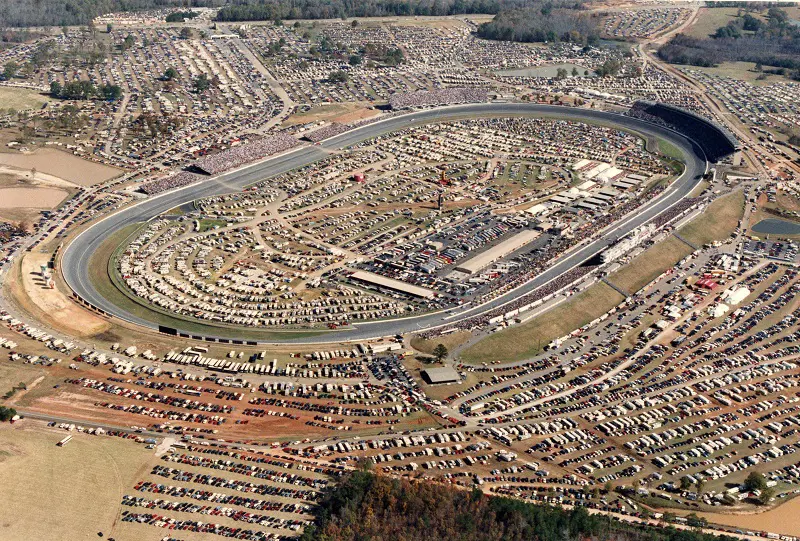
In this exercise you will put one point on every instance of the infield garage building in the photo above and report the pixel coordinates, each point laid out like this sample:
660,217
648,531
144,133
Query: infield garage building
437,376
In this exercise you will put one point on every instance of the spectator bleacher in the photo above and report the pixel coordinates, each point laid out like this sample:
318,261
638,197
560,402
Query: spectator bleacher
715,141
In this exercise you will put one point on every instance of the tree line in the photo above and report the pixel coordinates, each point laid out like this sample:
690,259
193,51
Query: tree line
542,23
770,40
21,13
266,10
28,13
84,90
180,16
369,506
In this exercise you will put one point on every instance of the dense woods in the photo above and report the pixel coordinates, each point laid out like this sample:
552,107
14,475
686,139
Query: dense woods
541,23
265,10
770,39
19,13
518,20
368,506
79,12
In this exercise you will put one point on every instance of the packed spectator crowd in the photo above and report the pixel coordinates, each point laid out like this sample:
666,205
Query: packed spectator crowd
245,153
178,180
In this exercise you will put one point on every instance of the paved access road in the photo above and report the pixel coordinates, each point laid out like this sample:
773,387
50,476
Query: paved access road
76,257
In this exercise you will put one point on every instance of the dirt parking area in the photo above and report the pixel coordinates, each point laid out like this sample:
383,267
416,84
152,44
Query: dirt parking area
62,165
334,112
34,198
51,305
24,195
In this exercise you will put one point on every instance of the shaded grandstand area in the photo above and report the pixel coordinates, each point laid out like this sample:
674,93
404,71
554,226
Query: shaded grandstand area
595,261
331,130
715,141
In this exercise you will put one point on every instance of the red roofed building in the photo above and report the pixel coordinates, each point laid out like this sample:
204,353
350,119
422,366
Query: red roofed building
706,283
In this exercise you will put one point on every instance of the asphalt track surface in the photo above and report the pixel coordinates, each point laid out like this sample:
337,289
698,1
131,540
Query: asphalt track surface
76,257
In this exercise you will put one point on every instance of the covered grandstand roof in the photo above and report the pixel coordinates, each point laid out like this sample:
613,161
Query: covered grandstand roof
715,140
391,283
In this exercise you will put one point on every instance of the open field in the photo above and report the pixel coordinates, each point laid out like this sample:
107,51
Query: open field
62,165
649,264
13,375
20,99
742,71
781,519
526,340
23,195
333,112
36,198
207,224
317,113
449,341
63,493
709,19
717,222
787,202
669,150
52,305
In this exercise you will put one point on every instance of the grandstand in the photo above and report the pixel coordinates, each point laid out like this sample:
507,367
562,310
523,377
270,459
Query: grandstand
716,141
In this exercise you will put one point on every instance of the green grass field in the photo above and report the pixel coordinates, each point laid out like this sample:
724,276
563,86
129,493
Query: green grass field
16,374
717,222
668,149
450,341
524,341
709,19
206,224
649,264
742,71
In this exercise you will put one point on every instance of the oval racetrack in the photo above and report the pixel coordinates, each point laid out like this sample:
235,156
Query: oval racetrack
76,257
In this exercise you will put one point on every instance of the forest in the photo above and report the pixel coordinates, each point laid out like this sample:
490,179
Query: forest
770,40
20,13
265,10
540,23
28,13
369,506
520,20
